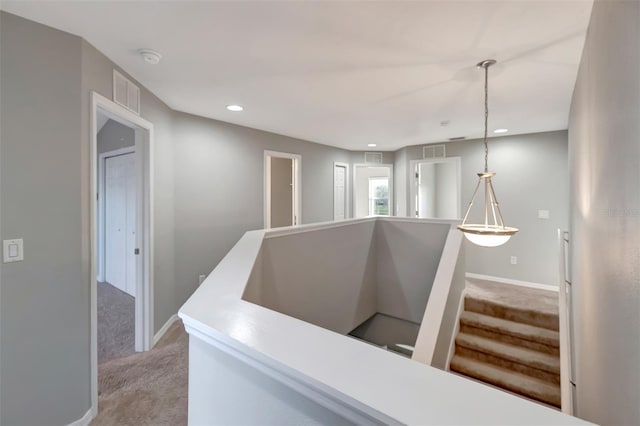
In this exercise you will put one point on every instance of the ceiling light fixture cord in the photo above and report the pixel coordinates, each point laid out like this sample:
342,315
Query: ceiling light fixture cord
486,116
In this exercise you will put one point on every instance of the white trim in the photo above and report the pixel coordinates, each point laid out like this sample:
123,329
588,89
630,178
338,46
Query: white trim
412,187
164,329
347,200
392,207
144,305
297,186
456,329
564,305
102,157
84,420
348,408
512,282
425,346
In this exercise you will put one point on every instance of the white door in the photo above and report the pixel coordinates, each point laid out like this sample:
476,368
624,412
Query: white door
120,222
339,192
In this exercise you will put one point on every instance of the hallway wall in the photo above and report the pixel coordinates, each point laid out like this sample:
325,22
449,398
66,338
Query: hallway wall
604,161
531,175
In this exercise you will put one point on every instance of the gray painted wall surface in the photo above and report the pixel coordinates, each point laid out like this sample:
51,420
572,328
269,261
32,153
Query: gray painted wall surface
604,160
44,299
337,278
114,135
532,175
408,255
219,169
325,277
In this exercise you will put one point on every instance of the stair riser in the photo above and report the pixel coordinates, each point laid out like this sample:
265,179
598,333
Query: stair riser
530,317
540,363
510,365
513,340
548,399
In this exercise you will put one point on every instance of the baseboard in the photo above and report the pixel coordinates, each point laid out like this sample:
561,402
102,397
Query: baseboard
84,420
512,282
164,329
456,329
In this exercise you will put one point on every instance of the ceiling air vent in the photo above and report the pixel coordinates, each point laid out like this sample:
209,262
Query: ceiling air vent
373,157
126,93
434,151
459,138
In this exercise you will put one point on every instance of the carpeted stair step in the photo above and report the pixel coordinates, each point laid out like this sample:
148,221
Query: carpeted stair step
512,313
509,380
514,333
508,355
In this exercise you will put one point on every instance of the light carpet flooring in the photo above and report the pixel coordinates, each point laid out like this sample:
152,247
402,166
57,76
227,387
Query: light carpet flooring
509,338
116,323
147,388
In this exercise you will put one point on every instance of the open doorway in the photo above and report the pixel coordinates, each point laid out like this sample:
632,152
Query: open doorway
435,192
281,189
121,234
373,190
117,204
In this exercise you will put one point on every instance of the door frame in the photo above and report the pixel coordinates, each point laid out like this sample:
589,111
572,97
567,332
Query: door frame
413,164
347,192
297,184
144,146
392,209
101,238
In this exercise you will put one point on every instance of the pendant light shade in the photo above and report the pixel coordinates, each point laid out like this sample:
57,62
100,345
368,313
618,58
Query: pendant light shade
492,232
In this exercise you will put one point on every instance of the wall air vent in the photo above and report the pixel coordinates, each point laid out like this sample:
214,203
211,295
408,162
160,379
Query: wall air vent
126,93
434,151
459,138
373,157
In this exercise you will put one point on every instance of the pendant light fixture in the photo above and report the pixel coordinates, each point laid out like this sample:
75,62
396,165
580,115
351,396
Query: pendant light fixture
488,234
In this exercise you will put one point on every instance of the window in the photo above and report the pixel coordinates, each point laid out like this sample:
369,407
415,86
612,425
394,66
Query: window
379,196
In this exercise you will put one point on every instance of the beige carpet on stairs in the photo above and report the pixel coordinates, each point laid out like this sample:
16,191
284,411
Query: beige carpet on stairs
509,339
147,388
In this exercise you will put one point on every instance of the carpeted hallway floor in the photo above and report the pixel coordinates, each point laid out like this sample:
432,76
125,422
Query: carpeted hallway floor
116,323
147,388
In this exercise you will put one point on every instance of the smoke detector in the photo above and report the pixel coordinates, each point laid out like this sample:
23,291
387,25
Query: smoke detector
150,56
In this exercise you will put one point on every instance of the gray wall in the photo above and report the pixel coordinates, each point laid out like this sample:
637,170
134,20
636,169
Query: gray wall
44,299
198,215
532,175
604,160
219,169
114,135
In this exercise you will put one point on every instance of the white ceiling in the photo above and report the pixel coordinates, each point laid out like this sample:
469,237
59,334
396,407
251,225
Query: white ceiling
344,73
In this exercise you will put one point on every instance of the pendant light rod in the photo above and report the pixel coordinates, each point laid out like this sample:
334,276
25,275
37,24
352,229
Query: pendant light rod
486,64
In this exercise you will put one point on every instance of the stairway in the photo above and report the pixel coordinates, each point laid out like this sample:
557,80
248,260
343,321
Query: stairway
509,338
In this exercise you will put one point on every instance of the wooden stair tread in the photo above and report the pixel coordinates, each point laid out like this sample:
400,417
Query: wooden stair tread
516,354
509,380
512,328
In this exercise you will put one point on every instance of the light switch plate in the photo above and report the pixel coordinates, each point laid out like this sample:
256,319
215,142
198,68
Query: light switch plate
12,250
543,214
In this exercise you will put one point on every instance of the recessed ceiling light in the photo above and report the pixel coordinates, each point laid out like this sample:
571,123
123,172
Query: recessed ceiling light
500,130
235,108
150,56
371,145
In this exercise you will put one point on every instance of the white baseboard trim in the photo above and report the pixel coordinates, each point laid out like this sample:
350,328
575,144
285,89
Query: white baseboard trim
84,420
512,282
164,329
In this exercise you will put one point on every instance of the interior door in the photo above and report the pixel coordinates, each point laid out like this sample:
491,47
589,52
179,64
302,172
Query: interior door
339,192
120,222
282,173
436,194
